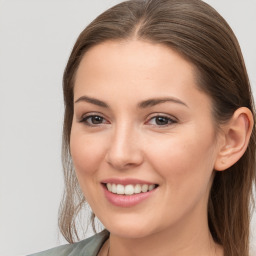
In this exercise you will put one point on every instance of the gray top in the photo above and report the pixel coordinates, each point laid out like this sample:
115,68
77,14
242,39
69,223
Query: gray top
88,247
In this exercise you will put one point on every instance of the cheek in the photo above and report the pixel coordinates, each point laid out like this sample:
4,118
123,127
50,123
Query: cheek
184,162
185,166
86,152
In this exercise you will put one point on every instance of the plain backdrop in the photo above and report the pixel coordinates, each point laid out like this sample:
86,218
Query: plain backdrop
36,37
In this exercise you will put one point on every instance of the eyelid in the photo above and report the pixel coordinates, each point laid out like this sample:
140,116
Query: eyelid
173,119
86,116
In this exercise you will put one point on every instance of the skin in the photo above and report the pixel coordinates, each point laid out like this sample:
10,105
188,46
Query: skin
179,154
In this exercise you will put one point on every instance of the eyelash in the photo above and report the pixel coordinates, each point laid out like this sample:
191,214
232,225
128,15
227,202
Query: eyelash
88,117
170,121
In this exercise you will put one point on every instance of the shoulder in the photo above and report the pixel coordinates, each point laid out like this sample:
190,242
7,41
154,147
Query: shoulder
87,247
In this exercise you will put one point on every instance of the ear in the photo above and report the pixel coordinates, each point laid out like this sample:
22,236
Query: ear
234,139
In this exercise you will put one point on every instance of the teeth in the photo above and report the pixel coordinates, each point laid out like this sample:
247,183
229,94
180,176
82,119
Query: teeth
113,188
151,187
129,189
120,189
137,188
144,188
109,187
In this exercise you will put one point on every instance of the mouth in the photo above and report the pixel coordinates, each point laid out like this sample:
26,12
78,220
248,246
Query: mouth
129,189
128,192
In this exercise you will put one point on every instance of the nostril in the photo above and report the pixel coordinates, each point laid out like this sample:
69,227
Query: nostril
120,162
123,154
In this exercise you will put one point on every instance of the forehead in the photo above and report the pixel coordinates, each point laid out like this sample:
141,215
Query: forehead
130,58
134,54
136,68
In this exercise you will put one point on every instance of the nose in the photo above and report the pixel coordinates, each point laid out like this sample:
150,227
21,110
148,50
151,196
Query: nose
125,150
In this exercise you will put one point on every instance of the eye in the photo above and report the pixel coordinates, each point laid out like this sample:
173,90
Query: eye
161,121
93,120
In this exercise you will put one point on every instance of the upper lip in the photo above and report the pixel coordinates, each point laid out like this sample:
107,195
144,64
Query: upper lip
126,181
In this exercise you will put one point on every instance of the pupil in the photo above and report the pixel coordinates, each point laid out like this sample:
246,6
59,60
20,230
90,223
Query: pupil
161,120
96,120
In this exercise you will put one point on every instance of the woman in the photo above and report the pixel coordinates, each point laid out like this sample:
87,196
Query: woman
158,133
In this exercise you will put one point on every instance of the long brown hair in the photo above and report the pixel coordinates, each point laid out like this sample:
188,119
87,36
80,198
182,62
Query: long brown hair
197,32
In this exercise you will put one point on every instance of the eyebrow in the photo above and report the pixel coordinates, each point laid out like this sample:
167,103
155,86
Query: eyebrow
144,104
156,101
92,101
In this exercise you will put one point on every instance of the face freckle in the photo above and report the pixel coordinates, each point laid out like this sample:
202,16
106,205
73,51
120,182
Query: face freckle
155,126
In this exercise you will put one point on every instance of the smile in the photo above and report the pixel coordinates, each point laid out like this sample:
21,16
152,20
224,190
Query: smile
129,189
128,192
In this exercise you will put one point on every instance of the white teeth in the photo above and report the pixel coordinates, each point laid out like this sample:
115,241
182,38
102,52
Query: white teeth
144,188
129,189
113,188
151,187
137,189
120,189
109,186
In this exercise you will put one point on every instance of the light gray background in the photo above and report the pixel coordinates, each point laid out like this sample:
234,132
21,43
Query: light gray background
36,37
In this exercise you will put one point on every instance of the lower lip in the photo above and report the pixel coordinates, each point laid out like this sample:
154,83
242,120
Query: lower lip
126,201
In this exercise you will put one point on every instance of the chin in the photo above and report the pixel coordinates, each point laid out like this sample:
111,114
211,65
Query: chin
129,232
129,228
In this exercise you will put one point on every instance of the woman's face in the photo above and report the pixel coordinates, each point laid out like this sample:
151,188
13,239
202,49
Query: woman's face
140,123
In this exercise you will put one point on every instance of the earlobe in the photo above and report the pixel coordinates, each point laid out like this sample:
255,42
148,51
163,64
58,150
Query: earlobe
235,137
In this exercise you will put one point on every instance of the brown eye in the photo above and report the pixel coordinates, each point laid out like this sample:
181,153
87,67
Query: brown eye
161,121
93,120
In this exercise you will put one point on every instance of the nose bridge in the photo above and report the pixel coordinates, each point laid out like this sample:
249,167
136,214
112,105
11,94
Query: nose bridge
124,150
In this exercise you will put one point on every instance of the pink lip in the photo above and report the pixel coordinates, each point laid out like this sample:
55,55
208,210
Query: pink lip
127,200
